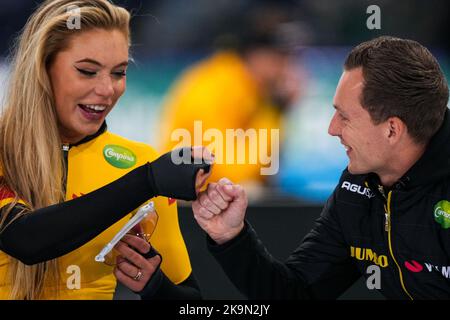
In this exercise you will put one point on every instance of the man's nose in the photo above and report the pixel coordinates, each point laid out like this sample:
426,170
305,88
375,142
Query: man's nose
334,129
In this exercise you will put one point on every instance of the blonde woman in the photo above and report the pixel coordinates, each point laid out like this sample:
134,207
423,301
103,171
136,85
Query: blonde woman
67,184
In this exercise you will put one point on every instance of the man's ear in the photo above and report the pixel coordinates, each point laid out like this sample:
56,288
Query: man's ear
395,129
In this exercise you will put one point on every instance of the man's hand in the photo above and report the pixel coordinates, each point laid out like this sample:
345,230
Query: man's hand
220,210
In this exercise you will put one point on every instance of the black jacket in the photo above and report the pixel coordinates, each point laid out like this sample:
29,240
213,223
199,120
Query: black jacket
404,231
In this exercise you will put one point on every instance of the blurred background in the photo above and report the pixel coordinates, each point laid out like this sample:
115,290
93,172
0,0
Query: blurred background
170,37
250,64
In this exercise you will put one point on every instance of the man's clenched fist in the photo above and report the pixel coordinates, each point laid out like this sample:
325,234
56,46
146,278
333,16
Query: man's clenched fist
220,210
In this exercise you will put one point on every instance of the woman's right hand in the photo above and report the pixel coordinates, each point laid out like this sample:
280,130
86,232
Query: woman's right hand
135,269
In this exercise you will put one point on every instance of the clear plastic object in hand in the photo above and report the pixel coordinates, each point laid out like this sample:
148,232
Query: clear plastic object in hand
143,212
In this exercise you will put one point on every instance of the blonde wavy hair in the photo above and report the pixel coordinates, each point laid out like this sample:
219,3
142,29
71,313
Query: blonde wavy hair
31,158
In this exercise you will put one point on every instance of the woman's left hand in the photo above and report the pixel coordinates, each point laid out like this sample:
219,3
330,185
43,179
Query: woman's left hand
206,155
134,270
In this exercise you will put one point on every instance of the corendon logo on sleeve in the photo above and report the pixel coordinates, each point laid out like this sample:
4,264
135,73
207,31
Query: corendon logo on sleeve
119,157
416,267
442,213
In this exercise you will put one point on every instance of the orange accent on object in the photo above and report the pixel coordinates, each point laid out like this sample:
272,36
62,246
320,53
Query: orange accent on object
171,201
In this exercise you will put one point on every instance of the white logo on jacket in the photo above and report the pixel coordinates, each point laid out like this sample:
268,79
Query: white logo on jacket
357,189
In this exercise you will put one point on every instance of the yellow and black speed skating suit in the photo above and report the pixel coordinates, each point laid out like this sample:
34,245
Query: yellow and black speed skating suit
92,164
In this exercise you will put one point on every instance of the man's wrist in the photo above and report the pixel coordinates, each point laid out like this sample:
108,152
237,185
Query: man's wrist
223,238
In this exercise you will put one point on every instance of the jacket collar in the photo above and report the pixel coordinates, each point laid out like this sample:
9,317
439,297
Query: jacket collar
432,166
102,129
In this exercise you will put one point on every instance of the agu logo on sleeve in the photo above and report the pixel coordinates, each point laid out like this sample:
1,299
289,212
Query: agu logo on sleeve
119,157
442,213
357,189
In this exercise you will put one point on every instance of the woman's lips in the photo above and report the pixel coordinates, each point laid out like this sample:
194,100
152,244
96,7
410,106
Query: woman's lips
92,112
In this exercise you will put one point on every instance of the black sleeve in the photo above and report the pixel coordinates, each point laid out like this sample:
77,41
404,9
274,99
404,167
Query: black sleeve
162,288
56,230
320,268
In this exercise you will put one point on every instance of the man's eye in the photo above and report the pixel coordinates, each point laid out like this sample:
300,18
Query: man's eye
86,72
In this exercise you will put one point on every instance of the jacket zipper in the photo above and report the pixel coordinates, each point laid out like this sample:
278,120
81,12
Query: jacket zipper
386,215
65,149
387,226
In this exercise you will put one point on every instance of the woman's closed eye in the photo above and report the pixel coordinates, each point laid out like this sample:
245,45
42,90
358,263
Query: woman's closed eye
89,73
120,74
86,72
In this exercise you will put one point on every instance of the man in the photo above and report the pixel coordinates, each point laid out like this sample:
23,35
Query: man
391,208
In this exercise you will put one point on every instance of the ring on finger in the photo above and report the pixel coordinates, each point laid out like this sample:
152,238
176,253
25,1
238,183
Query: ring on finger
138,275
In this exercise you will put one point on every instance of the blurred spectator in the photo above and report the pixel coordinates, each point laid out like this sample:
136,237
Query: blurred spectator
246,84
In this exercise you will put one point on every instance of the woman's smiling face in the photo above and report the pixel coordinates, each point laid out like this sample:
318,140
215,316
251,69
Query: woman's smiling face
88,77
